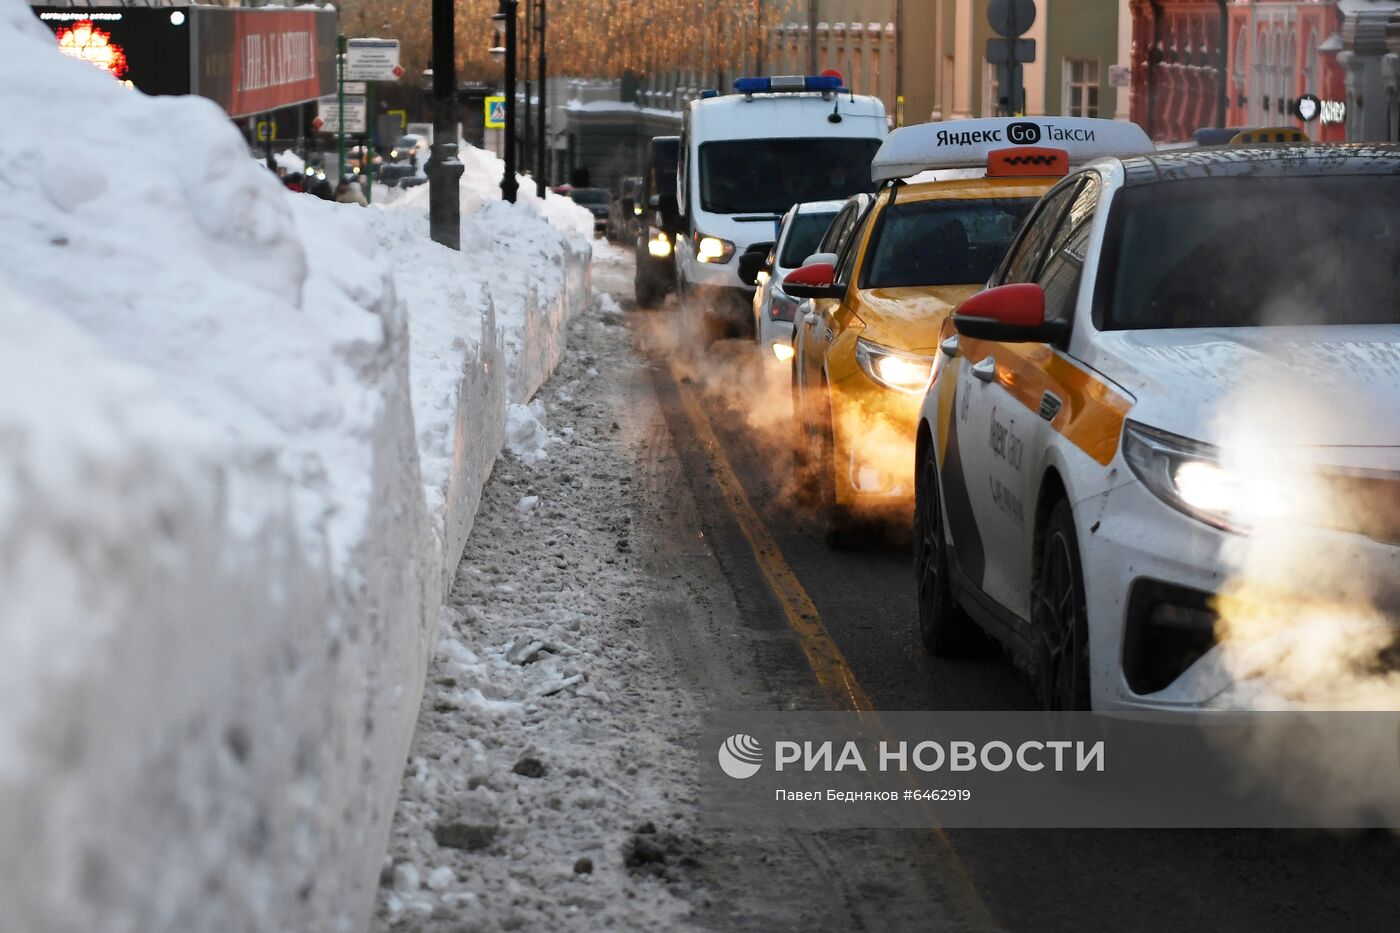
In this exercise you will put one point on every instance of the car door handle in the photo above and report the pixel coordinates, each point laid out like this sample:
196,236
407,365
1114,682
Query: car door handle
949,346
985,369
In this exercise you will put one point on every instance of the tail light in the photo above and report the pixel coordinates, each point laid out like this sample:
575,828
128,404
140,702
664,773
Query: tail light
781,307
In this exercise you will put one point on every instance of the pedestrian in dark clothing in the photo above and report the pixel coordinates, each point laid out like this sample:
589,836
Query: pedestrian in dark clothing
323,190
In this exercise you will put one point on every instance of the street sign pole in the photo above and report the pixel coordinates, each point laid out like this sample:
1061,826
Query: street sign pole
508,183
444,168
542,154
340,98
371,127
1009,19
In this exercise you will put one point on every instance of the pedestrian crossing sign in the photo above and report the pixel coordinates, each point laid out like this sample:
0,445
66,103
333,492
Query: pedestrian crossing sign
495,113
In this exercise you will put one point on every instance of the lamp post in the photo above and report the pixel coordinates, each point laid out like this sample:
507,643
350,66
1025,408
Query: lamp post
542,151
444,169
527,151
504,21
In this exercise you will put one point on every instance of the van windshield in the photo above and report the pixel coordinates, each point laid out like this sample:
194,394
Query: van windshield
768,176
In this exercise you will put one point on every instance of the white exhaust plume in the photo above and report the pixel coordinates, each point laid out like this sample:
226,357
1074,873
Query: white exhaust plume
1301,621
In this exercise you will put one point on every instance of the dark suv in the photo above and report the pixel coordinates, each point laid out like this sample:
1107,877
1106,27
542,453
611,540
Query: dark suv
596,202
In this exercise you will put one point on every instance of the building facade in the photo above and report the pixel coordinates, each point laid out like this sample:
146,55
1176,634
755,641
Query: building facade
1369,55
1202,63
927,58
859,38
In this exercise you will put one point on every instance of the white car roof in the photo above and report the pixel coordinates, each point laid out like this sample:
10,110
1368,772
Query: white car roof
780,115
817,207
910,150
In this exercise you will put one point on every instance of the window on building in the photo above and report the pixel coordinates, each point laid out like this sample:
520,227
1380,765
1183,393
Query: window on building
1080,97
1310,68
1288,84
1259,94
1241,54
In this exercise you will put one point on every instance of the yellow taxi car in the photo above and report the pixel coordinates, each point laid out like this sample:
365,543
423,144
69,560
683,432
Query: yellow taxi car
865,348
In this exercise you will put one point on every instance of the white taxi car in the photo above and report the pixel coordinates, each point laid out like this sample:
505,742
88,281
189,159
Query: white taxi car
799,233
1183,358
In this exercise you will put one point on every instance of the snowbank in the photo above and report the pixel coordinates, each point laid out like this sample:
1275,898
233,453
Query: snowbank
486,324
219,573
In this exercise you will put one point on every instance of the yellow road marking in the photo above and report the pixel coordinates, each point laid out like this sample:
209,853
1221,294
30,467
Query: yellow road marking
825,658
827,662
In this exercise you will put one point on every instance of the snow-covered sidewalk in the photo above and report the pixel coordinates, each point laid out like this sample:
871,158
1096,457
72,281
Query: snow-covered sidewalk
548,786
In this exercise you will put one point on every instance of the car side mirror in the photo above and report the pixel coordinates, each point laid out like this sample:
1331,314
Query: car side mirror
751,264
1008,314
813,281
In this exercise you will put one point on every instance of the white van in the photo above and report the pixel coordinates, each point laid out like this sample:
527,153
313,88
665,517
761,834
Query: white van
745,158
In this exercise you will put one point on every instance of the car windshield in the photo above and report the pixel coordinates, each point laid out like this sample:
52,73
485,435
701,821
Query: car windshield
1246,252
768,176
804,233
946,242
589,196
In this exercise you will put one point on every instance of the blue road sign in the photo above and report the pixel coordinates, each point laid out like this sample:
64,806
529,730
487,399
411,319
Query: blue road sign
495,113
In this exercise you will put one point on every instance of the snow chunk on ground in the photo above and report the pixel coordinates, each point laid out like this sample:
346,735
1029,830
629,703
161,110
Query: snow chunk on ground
526,436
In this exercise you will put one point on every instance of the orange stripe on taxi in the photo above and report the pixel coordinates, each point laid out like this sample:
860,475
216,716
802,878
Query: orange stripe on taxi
1091,413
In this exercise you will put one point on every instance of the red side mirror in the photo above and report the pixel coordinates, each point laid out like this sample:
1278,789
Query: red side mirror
814,281
1008,314
818,274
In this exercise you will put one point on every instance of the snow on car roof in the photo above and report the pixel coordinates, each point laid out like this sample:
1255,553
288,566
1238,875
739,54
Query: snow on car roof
910,150
817,207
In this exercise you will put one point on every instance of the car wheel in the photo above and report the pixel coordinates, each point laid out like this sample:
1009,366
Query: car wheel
1058,611
648,291
944,628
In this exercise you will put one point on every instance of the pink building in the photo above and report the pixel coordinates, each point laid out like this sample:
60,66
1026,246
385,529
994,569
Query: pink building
1199,63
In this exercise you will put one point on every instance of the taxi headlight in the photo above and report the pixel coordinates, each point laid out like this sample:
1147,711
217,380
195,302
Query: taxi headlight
1192,478
659,246
713,249
909,373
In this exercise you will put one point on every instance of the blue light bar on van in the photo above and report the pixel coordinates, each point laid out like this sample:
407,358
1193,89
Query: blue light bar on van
709,92
788,83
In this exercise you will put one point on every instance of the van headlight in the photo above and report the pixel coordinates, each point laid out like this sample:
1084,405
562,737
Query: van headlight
904,372
713,249
658,246
1192,477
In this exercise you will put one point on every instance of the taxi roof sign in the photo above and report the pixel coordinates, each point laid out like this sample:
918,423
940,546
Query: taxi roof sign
910,150
1027,161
